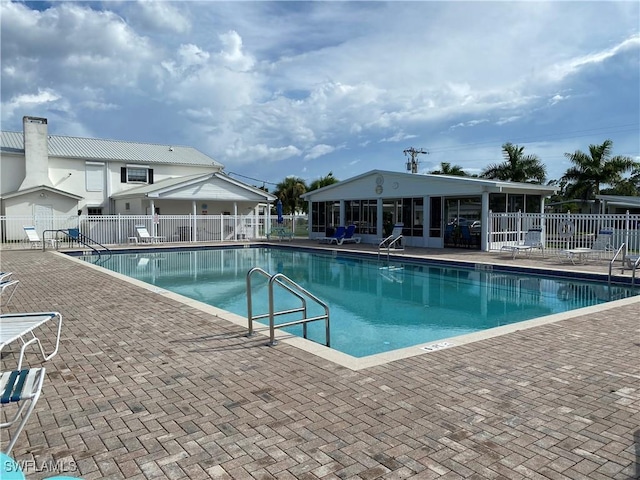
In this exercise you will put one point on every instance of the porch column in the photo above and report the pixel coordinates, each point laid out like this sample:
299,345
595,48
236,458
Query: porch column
310,219
154,225
484,225
342,210
379,212
235,221
267,224
426,220
194,225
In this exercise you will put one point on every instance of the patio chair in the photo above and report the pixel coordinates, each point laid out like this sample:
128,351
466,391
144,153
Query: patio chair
22,326
6,285
348,236
603,244
633,261
532,239
395,239
22,387
337,235
146,237
34,239
4,276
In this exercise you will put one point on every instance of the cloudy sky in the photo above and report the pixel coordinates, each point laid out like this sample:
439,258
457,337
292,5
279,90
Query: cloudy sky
272,89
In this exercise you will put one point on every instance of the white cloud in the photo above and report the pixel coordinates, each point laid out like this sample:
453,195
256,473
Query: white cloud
318,151
257,82
162,16
28,102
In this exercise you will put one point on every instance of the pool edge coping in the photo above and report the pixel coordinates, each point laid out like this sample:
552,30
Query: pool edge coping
360,363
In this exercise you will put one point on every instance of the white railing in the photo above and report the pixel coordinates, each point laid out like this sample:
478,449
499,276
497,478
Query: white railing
121,229
564,230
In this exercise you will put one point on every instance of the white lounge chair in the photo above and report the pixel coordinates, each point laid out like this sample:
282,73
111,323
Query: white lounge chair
6,285
395,239
22,326
146,237
532,239
34,239
22,387
603,244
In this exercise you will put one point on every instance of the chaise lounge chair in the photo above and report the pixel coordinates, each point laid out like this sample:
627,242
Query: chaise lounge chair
146,237
532,239
22,326
7,284
22,387
34,239
336,237
395,239
348,236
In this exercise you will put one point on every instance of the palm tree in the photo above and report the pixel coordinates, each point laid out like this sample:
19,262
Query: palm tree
517,167
289,191
323,182
590,171
447,169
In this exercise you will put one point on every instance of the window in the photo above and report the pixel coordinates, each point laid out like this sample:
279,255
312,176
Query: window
324,215
94,210
94,176
363,214
412,216
136,174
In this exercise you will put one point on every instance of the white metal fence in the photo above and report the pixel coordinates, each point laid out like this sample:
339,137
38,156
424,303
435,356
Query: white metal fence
564,230
121,229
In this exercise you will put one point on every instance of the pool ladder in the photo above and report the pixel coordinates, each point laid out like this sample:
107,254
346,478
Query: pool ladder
634,265
297,291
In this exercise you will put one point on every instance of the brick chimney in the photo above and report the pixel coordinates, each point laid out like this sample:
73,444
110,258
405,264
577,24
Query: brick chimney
36,153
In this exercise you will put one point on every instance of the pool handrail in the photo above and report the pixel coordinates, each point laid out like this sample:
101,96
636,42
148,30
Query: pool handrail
293,288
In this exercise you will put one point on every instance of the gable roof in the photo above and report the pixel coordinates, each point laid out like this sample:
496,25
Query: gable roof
483,183
190,187
40,188
99,149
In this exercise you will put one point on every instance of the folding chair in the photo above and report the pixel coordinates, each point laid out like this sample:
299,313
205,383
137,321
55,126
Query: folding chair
22,387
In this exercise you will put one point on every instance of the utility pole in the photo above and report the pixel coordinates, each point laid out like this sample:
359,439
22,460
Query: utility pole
412,162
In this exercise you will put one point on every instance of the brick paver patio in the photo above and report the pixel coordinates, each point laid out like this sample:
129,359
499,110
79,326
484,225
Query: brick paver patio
147,387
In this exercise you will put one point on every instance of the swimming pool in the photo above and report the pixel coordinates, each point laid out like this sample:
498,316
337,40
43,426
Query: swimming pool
374,307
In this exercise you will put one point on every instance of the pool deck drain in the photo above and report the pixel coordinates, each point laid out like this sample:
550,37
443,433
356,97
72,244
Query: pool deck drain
147,386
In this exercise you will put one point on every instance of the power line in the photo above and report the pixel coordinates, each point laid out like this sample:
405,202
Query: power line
263,182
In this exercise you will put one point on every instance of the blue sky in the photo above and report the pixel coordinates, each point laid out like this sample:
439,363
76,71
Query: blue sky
272,89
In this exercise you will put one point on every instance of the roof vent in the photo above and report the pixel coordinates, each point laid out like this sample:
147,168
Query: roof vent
170,149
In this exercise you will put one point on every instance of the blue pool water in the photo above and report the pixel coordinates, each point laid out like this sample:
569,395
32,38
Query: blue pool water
373,307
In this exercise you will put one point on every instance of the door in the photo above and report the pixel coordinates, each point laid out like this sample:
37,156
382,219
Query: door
43,215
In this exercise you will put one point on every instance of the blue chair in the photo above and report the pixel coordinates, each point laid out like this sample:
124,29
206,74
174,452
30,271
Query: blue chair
348,236
337,236
448,234
465,235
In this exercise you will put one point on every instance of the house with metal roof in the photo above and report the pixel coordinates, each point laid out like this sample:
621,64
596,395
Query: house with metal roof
436,210
42,174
